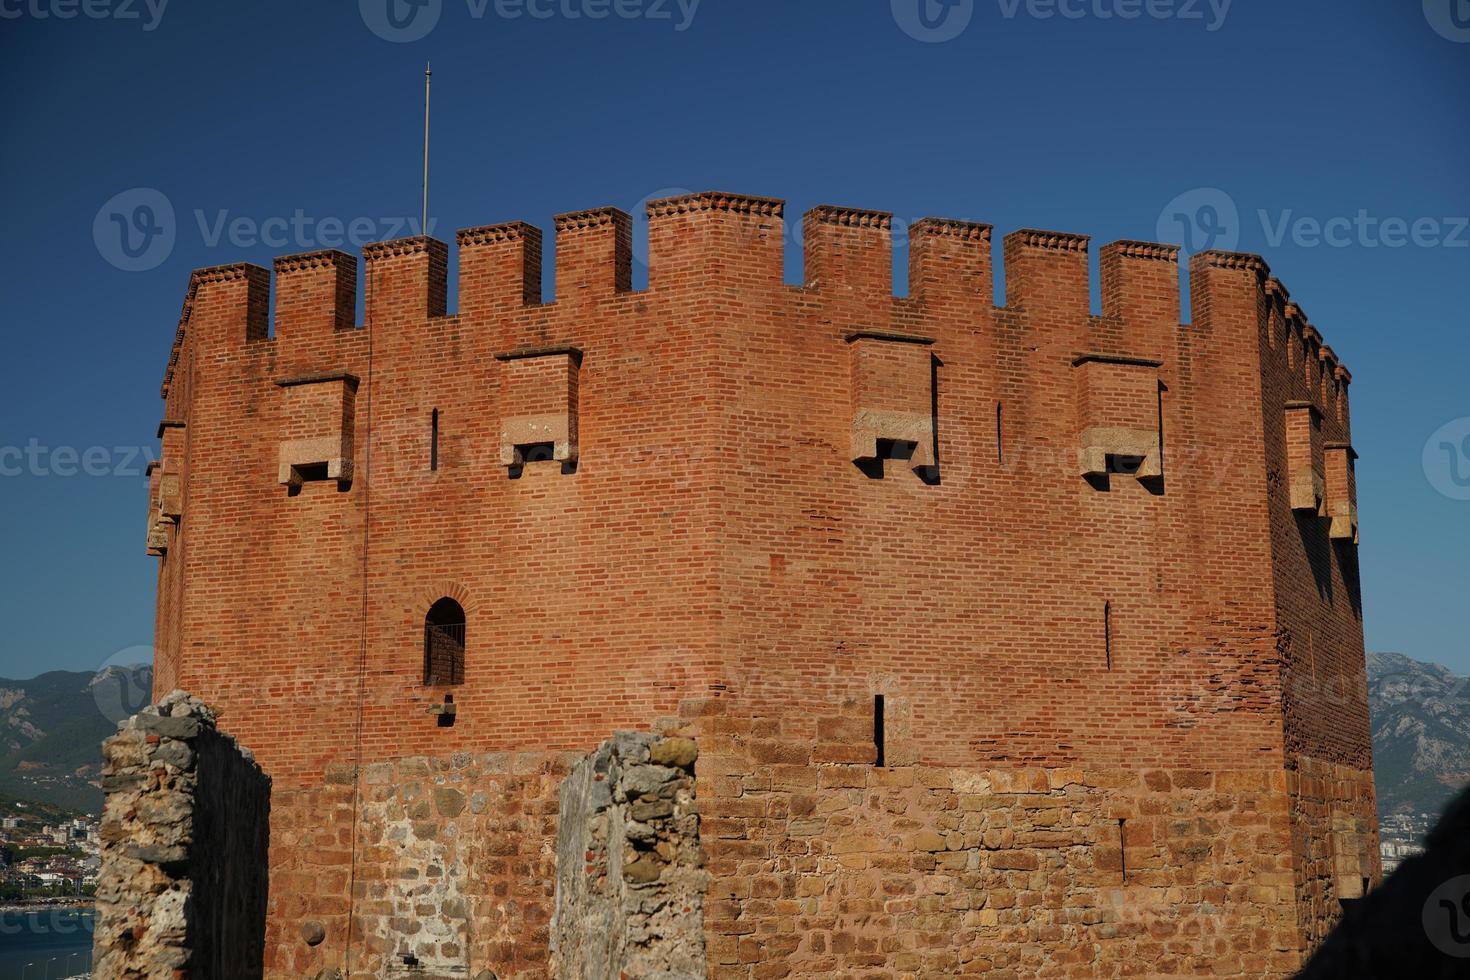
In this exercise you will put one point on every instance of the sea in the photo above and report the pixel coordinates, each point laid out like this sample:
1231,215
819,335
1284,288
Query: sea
48,944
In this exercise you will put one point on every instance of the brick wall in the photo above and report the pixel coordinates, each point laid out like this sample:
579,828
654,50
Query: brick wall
823,863
1089,553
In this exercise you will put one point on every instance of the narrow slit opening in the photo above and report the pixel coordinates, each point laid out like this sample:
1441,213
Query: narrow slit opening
1122,850
434,441
1108,634
1000,454
878,733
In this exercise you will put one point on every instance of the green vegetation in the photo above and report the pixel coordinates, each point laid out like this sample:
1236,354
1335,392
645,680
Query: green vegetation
51,734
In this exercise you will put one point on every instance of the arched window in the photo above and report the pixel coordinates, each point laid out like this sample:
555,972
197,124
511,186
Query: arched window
444,643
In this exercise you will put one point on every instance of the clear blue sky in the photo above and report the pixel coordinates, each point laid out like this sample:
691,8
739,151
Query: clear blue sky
1065,114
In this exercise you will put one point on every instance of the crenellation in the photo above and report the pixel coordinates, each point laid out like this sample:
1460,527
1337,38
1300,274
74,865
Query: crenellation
1246,261
227,273
1228,301
848,254
316,295
1047,278
950,263
1151,251
594,255
499,268
767,207
407,281
695,239
1140,295
229,306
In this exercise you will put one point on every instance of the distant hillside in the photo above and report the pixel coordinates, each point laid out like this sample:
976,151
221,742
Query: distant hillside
52,727
1421,732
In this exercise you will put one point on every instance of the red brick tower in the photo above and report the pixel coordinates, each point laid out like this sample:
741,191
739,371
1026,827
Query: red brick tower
1003,629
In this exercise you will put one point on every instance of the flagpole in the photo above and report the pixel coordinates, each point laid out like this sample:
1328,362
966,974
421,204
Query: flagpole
424,215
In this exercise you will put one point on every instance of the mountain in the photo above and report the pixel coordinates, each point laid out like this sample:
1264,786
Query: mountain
1421,733
52,727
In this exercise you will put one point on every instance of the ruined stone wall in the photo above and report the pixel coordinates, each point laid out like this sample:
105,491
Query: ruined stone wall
802,857
630,878
182,888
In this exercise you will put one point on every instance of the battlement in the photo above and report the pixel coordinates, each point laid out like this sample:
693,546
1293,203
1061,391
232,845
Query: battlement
712,243
848,256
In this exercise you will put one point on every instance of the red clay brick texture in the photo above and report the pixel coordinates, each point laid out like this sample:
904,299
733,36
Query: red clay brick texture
1037,585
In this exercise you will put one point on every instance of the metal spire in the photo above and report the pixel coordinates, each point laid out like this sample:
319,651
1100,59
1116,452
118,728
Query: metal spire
424,216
